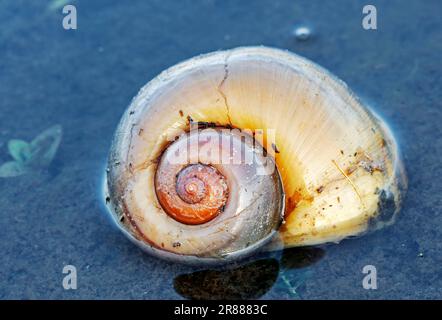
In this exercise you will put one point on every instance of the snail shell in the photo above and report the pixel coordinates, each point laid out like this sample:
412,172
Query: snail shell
336,173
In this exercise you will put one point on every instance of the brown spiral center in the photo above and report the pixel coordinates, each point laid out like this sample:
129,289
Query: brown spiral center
194,195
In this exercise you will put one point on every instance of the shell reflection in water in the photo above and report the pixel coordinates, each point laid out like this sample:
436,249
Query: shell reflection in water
336,170
251,280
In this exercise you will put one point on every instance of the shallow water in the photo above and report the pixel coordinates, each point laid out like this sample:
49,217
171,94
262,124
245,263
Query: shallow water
84,79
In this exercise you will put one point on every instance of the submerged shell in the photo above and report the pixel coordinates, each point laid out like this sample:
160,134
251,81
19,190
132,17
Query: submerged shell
338,162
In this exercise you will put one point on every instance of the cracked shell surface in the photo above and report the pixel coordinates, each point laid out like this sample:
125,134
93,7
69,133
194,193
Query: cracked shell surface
338,162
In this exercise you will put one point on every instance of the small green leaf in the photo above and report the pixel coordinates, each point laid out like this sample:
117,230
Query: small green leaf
20,150
44,147
12,169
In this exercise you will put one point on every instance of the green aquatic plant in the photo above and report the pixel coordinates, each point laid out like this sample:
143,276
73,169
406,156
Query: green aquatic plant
57,4
32,156
293,279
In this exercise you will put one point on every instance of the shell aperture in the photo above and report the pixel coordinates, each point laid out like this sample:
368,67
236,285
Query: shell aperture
336,164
